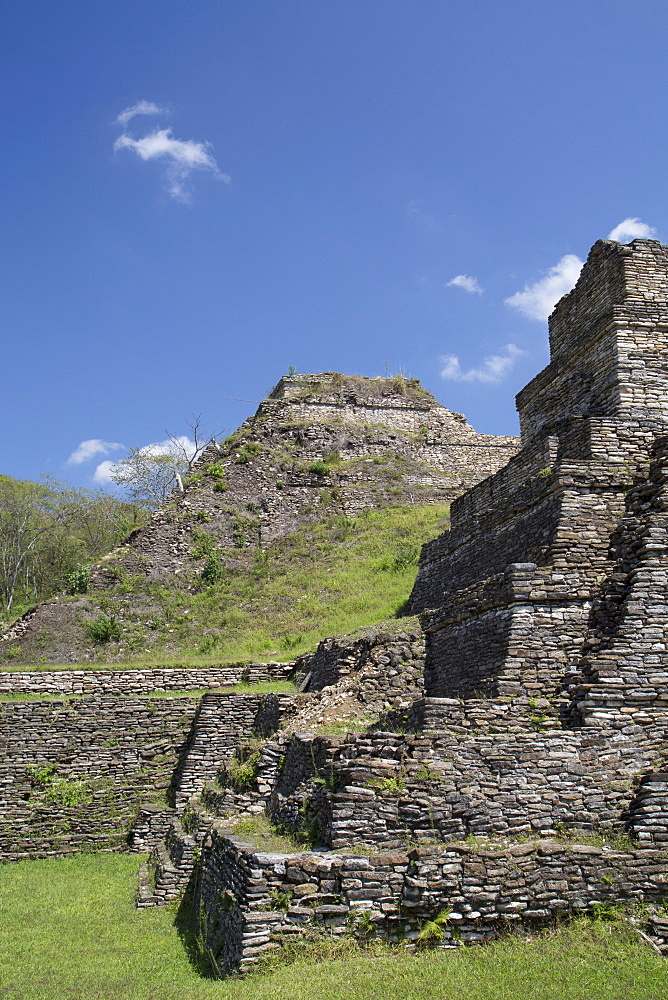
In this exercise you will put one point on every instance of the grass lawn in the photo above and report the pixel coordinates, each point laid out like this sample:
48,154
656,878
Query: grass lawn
69,931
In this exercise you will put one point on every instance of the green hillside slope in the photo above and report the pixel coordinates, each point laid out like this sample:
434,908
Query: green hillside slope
324,579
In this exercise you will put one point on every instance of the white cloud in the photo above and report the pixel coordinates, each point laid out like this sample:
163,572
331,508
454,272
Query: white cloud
182,158
178,447
140,108
465,281
538,300
90,448
631,229
103,472
494,367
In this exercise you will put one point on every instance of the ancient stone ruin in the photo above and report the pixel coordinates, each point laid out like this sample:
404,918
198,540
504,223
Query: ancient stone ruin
319,444
516,768
568,604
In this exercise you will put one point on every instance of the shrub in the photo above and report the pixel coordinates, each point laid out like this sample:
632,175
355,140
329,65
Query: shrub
249,449
78,580
319,468
103,628
242,769
216,473
203,543
213,571
403,557
215,470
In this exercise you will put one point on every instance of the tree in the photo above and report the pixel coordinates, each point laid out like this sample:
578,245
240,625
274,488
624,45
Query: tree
148,478
101,521
150,474
47,530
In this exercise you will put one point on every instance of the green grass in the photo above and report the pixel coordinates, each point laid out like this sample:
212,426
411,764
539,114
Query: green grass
69,931
326,579
259,832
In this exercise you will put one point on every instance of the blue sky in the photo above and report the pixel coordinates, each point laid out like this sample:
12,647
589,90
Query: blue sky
346,185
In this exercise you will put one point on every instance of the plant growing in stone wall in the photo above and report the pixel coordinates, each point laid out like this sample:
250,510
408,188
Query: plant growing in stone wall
433,931
41,775
241,771
394,784
319,468
67,793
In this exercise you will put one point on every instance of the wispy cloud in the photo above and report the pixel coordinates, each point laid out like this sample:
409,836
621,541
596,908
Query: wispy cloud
140,108
631,229
465,281
180,156
177,447
417,213
538,300
91,448
493,369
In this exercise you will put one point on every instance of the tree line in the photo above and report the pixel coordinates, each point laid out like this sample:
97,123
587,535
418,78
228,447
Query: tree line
50,534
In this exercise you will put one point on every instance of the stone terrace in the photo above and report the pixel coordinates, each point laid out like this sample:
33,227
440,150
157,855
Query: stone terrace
544,711
577,516
541,712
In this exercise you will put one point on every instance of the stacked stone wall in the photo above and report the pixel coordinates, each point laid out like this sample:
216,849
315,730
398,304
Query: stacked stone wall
142,681
623,671
385,664
221,723
597,415
78,771
517,633
523,778
482,892
607,341
649,810
551,518
496,771
75,770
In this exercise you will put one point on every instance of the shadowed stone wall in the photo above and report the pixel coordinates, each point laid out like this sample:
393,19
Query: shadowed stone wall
577,517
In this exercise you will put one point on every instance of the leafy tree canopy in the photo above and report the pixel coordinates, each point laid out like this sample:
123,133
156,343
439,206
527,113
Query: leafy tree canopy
48,531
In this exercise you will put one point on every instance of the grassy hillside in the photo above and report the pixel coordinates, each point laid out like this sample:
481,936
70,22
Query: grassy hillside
324,579
69,931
